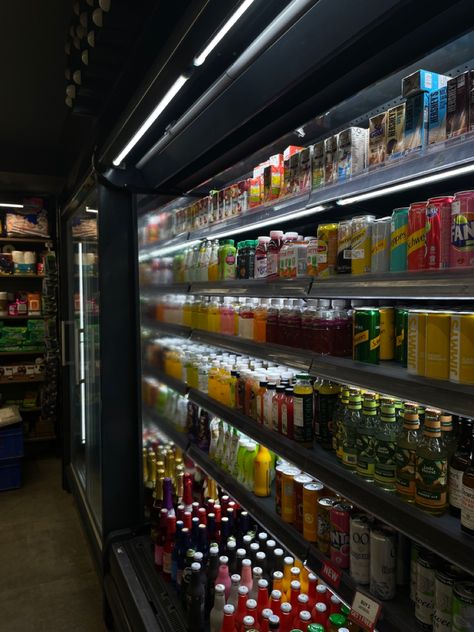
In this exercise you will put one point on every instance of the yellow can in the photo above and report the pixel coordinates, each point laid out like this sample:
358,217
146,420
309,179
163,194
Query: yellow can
311,494
461,366
416,341
327,249
438,325
288,493
361,244
387,333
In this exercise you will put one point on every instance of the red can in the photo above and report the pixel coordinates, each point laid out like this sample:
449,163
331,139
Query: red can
438,232
462,230
340,516
299,482
416,236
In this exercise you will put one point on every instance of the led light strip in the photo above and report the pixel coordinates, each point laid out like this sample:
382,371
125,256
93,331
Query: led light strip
6,205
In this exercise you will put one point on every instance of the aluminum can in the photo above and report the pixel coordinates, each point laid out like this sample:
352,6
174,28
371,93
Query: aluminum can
366,336
401,326
461,356
361,243
414,552
324,524
463,607
278,472
288,493
380,252
344,233
383,562
462,230
340,516
298,484
387,333
437,346
416,341
416,236
360,548
438,232
327,249
445,578
311,494
398,240
425,587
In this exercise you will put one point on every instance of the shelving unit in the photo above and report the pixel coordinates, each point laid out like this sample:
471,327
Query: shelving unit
22,353
25,240
22,380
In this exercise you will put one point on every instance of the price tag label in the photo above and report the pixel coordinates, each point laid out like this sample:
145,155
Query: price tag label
365,611
331,574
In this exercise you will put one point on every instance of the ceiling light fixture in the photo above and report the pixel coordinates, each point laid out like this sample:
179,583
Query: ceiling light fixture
165,101
7,205
222,32
403,186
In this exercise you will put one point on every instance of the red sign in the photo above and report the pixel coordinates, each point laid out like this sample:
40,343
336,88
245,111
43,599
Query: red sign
365,611
331,574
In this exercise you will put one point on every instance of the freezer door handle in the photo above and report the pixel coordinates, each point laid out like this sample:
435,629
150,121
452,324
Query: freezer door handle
64,360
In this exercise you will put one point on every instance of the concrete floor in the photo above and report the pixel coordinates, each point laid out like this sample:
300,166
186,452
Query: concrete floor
47,579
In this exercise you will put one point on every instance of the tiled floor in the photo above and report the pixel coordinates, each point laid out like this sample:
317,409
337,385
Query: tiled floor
47,579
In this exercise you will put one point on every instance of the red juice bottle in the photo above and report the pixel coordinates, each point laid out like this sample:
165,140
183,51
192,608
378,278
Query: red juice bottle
273,253
283,316
273,317
326,330
287,413
343,329
293,324
308,325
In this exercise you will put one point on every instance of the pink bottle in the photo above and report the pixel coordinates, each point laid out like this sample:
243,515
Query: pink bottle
223,577
246,579
261,262
273,254
227,316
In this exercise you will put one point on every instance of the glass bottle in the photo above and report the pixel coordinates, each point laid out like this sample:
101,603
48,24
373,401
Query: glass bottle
303,410
431,467
339,412
352,415
385,448
228,621
223,576
216,616
458,465
195,599
448,437
328,394
467,503
169,546
246,574
365,441
405,456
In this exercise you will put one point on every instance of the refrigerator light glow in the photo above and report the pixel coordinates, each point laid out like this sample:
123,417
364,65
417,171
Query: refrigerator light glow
6,205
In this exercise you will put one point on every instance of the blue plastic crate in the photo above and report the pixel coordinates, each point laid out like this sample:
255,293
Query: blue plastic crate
10,474
11,441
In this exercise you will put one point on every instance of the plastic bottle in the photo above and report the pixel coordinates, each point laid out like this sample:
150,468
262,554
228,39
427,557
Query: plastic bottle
241,260
213,268
250,258
277,403
260,268
246,319
262,463
342,346
216,616
268,405
287,413
214,315
293,324
227,260
226,316
282,327
260,320
273,253
286,254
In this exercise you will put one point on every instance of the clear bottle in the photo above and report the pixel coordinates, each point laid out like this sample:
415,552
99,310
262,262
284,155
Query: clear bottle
213,268
216,616
447,434
339,412
260,320
431,467
246,319
352,415
214,316
405,456
277,403
366,430
268,405
261,479
227,317
287,413
385,473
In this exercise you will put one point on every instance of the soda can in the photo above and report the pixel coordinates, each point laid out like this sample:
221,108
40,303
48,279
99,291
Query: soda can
278,472
425,588
401,326
340,516
298,484
361,243
438,232
461,356
398,240
437,346
462,230
324,524
288,493
327,249
416,340
344,234
403,560
311,495
414,552
445,578
360,548
380,253
416,236
366,336
463,607
383,562
387,333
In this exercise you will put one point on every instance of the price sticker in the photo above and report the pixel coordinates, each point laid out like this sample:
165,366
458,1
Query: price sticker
331,574
365,611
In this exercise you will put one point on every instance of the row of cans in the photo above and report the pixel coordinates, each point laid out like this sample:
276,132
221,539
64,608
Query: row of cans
379,333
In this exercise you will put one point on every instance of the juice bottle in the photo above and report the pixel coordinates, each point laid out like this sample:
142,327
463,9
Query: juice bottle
268,404
261,479
203,314
226,318
277,403
260,266
250,258
273,314
260,399
213,269
342,346
303,410
260,321
308,324
287,413
325,327
273,253
241,260
293,324
249,460
236,305
214,315
227,260
246,319
286,254
283,316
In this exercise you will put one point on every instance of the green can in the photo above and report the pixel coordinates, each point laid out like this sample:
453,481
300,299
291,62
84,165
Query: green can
463,607
401,338
366,335
398,239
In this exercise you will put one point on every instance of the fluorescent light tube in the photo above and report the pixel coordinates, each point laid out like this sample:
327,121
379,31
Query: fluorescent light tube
91,210
6,205
167,250
165,101
403,186
201,58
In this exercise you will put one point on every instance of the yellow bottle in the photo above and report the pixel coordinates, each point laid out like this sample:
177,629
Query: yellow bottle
203,315
214,316
261,472
195,313
278,581
260,321
213,268
287,566
187,312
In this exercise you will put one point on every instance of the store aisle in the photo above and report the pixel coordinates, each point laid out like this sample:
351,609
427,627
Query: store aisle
47,579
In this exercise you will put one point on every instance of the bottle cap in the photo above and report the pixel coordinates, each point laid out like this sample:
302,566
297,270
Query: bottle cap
321,607
285,607
246,562
243,590
235,579
262,583
274,621
228,608
257,571
321,588
303,598
195,566
219,588
223,559
305,615
295,585
276,594
277,575
289,561
240,552
266,613
249,621
251,604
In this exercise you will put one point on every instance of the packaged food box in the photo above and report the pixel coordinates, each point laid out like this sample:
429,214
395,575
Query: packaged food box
437,116
255,193
352,152
330,159
273,178
240,197
377,139
304,169
317,168
290,151
416,122
457,108
291,173
422,81
395,131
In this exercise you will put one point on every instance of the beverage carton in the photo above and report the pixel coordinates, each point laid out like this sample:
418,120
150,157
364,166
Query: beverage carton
304,169
317,168
416,122
437,116
395,131
330,159
377,139
457,108
352,152
422,81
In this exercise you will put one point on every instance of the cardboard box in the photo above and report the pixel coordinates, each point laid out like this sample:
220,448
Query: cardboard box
255,192
352,152
437,116
240,197
395,131
416,122
457,108
304,169
422,81
330,159
290,151
317,166
377,139
471,108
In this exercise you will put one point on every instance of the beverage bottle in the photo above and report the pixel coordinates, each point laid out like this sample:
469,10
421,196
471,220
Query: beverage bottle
240,555
223,576
176,552
182,548
287,566
204,260
277,401
228,620
467,502
303,410
236,302
241,260
334,605
308,324
262,599
261,258
250,261
431,467
261,561
161,537
260,399
343,329
385,471
227,260
273,313
213,268
286,617
278,561
273,253
304,621
186,579
169,546
195,599
295,574
216,616
320,614
241,607
246,574
283,316
274,623
251,606
234,590
262,464
226,319
458,465
325,328
265,620
268,405
287,254
214,316
275,600
351,420
257,576
337,621
287,413
322,594
260,321
246,318
312,595
248,623
254,549
405,455
300,606
231,552
293,324
212,573
328,394
448,437
365,441
295,590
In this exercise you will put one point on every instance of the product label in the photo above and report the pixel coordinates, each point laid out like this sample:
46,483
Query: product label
358,253
455,487
272,264
362,336
260,268
431,481
365,454
398,237
380,246
424,604
331,574
467,510
385,466
365,611
375,343
416,240
406,462
284,420
303,417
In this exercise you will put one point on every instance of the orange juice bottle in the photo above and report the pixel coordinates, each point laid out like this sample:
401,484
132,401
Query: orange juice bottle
260,321
214,316
236,316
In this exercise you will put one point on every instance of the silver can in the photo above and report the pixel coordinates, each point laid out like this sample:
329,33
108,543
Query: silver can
380,261
414,552
445,578
403,560
383,562
425,588
360,548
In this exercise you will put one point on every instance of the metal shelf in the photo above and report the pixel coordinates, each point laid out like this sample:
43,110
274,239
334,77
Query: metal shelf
22,353
22,276
21,380
25,240
167,328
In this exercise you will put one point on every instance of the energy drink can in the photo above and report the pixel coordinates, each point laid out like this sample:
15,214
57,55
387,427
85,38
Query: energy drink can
340,516
288,493
327,249
461,356
360,548
462,230
387,333
437,346
361,243
324,524
311,495
438,232
380,256
344,232
425,588
383,562
366,336
398,239
445,579
416,341
416,236
401,326
463,607
299,483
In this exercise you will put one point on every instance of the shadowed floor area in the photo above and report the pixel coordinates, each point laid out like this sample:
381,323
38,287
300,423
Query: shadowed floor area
47,579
